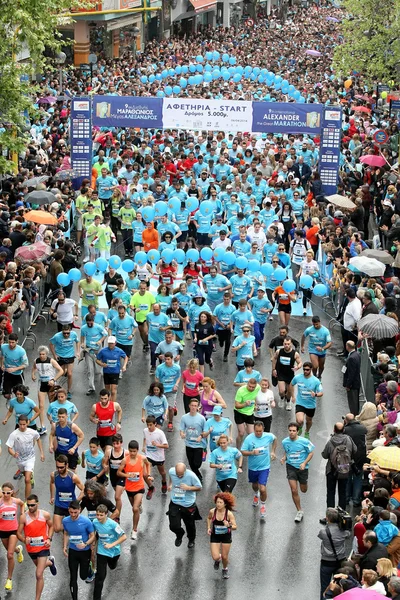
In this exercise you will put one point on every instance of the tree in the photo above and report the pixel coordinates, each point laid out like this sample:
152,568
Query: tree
25,25
371,40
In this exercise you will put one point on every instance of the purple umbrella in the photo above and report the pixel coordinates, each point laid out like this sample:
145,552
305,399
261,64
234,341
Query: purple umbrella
313,53
333,19
47,100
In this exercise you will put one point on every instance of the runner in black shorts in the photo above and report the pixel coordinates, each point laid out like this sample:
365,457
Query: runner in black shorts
285,363
113,459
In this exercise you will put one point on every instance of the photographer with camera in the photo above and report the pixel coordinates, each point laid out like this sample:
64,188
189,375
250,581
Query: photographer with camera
333,551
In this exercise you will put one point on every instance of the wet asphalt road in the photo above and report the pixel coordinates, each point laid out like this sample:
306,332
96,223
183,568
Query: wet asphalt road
275,559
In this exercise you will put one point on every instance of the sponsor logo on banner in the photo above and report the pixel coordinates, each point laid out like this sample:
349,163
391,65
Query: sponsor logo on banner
333,115
126,111
81,105
207,114
286,117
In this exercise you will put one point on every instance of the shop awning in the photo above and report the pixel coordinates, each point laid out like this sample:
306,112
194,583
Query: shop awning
203,5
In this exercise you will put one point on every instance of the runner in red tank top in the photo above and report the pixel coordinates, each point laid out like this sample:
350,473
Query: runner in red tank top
107,415
35,530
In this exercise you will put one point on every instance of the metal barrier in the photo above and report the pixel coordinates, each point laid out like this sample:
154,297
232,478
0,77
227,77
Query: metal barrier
22,325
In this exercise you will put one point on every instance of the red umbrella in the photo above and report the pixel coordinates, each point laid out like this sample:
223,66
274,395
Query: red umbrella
372,160
36,251
362,109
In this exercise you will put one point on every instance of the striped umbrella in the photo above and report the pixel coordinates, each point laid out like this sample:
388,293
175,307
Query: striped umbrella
378,327
386,457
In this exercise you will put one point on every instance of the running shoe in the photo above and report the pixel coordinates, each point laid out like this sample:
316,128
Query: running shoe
307,434
188,336
164,488
225,359
32,480
216,565
256,500
20,557
175,411
134,535
152,370
270,318
120,374
178,542
170,427
280,403
225,574
211,365
42,430
299,516
17,475
300,431
304,312
204,457
69,396
288,405
8,585
106,481
91,577
263,511
150,493
53,568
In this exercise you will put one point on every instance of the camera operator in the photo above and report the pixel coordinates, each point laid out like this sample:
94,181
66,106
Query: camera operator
332,548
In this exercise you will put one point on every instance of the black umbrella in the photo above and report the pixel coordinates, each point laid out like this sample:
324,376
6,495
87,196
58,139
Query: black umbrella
40,197
34,181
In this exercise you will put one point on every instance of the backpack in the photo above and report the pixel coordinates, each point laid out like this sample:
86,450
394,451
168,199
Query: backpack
341,460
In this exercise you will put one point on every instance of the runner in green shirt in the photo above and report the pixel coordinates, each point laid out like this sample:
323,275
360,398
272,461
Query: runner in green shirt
89,291
141,304
126,215
244,409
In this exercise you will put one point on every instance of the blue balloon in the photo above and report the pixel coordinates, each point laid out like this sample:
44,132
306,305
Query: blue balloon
153,256
193,255
232,70
239,69
209,55
152,78
161,208
167,255
208,77
176,89
278,79
192,68
280,274
76,275
192,80
285,83
241,262
291,89
232,60
237,77
160,94
248,69
215,55
128,265
168,90
206,208
185,69
206,253
183,82
229,258
90,269
267,269
178,69
302,100
143,79
296,95
254,265
199,68
208,68
320,290
164,73
148,213
101,265
159,76
219,253
226,76
64,280
253,76
171,72
114,261
260,79
289,285
199,58
306,282
179,256
140,258
264,72
198,79
192,203
225,57
256,70
174,204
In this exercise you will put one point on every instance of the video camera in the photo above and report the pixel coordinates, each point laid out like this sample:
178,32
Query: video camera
345,521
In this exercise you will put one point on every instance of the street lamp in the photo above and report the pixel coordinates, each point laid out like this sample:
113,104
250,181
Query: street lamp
61,58
92,61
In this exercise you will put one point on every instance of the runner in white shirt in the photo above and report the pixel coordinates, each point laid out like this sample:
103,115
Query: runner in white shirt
21,445
154,445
